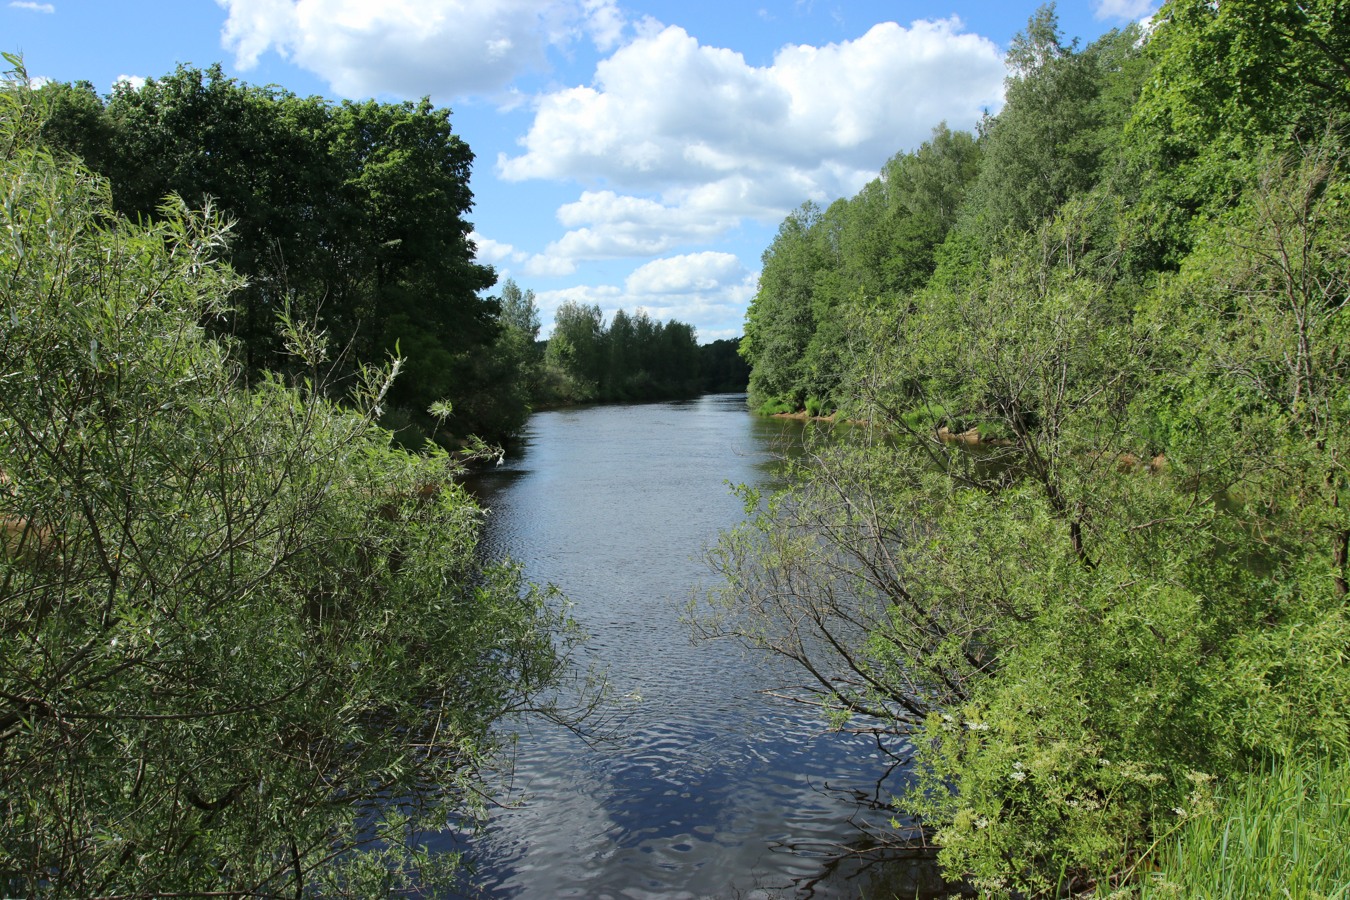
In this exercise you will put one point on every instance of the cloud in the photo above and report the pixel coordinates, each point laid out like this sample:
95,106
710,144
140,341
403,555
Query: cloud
549,265
495,253
691,273
677,142
665,110
34,7
1125,9
408,48
135,82
607,225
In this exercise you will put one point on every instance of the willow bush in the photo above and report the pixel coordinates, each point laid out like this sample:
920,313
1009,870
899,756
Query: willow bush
247,647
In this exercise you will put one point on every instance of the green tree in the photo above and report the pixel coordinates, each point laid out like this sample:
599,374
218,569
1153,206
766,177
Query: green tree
1229,83
1056,131
871,249
779,321
519,310
247,647
574,354
1089,556
723,368
351,217
622,375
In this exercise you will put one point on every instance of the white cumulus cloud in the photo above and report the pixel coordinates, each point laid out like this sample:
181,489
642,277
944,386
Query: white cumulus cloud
32,7
665,110
687,274
495,253
685,140
549,265
446,48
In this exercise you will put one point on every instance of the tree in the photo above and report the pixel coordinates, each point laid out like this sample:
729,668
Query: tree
779,321
871,249
519,310
1089,557
247,647
724,369
1052,138
574,352
351,217
632,358
1231,82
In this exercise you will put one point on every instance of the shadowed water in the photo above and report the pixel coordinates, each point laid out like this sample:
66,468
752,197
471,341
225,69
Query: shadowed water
708,788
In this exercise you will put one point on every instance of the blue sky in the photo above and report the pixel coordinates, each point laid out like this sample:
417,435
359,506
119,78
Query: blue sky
631,154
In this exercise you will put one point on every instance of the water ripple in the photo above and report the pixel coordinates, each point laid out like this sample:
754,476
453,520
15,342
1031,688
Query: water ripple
709,788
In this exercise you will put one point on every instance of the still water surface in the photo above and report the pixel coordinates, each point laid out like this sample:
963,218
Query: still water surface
708,788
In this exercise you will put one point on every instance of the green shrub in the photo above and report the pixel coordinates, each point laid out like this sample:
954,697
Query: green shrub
776,408
236,623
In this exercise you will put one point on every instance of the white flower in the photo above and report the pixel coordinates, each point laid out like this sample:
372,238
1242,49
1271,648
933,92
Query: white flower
981,822
1017,775
978,726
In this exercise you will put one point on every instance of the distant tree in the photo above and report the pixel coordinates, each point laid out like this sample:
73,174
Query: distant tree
573,357
519,310
722,368
631,358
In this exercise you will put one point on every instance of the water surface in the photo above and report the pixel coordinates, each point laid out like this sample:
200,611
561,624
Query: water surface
708,788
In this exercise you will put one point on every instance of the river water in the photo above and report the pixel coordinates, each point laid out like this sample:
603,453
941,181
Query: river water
705,786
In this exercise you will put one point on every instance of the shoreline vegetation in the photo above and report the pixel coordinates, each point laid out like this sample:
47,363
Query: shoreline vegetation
1138,267
247,645
244,608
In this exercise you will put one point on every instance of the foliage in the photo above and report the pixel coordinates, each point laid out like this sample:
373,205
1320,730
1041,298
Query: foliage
1281,831
246,646
349,216
722,367
630,359
868,250
1087,561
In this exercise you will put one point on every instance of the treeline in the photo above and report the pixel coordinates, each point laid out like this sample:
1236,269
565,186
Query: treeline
1090,564
351,217
347,216
630,358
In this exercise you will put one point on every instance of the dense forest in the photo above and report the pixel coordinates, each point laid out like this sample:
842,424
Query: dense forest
631,358
351,218
1084,553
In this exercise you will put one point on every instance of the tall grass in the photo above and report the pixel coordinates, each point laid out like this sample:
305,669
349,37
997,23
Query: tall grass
1282,832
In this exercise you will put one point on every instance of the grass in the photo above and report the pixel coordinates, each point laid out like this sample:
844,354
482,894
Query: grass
775,408
1282,832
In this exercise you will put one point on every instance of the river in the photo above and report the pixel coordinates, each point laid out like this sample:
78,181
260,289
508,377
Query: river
706,787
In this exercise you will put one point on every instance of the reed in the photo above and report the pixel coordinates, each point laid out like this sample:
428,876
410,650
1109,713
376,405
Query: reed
1283,831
